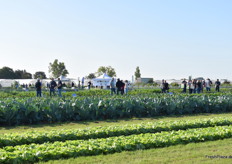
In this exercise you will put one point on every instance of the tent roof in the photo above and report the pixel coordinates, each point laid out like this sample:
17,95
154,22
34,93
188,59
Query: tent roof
63,78
104,76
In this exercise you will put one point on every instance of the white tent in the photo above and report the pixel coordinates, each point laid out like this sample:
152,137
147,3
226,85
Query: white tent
63,79
102,81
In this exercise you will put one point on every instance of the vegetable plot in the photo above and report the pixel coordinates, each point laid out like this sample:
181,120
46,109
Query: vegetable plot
47,151
17,111
110,131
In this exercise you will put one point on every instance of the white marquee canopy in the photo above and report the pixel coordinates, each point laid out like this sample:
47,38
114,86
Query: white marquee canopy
102,81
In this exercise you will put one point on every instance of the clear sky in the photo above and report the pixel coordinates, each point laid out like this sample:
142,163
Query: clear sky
165,38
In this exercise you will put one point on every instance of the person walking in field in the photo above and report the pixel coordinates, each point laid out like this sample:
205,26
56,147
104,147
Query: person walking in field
184,84
122,87
166,87
162,86
73,84
89,85
202,86
208,84
38,86
112,86
190,86
118,86
217,85
52,86
59,87
126,87
194,86
199,85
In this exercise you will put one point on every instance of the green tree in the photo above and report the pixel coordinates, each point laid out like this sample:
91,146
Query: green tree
137,73
7,73
22,74
151,81
108,70
57,69
91,76
40,75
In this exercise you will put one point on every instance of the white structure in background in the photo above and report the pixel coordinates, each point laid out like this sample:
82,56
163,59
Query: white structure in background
10,82
102,81
6,82
63,79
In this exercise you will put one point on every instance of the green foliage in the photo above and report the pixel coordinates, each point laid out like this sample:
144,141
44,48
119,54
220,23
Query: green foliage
42,152
22,74
40,75
137,73
91,76
151,81
7,73
108,70
175,84
108,131
57,69
17,111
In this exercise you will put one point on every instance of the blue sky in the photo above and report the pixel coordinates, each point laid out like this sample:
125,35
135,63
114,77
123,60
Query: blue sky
165,38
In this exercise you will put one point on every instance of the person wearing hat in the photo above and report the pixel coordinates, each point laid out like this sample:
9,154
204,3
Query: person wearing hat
38,86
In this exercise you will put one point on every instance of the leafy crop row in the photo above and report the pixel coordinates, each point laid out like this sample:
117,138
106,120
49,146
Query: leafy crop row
48,151
110,131
17,111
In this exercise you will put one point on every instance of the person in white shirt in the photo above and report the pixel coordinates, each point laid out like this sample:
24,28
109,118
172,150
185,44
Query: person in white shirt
126,87
208,84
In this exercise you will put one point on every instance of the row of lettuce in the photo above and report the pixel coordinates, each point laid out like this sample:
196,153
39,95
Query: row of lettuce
18,111
13,139
140,136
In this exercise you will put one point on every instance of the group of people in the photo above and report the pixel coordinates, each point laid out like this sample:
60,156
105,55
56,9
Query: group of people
119,87
52,87
194,86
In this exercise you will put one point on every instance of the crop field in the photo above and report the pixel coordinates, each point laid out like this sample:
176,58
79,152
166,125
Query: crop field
32,110
163,122
38,144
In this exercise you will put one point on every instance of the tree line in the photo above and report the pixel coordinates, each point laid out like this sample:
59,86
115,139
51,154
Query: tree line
56,69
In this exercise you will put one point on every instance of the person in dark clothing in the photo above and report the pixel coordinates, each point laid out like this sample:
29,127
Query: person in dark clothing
217,85
72,84
59,87
202,85
122,87
52,85
194,86
89,85
184,83
162,87
118,86
38,87
199,86
166,87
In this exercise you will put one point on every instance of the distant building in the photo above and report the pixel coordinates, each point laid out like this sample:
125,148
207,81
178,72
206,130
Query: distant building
143,80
